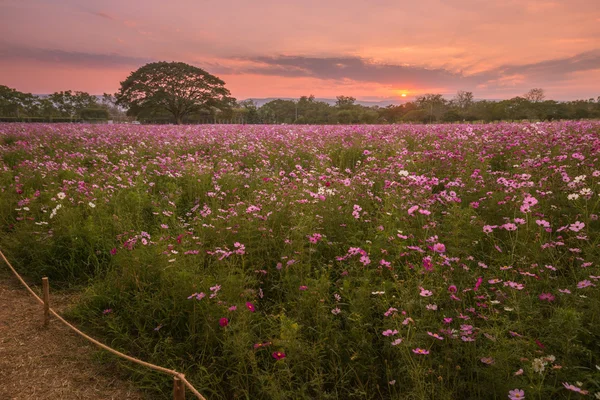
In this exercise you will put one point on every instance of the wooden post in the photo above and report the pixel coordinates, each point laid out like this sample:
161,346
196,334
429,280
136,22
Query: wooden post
46,297
178,389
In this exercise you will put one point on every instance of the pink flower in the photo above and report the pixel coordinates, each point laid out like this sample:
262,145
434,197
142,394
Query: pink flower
439,248
113,251
487,360
303,287
107,311
584,284
435,335
397,342
390,311
488,228
223,322
278,355
478,283
516,394
412,210
425,293
452,289
574,388
420,351
577,226
389,332
250,307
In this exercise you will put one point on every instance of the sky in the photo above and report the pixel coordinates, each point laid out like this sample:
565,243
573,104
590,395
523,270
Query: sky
370,49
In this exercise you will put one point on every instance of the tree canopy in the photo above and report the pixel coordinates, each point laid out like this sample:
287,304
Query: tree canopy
174,87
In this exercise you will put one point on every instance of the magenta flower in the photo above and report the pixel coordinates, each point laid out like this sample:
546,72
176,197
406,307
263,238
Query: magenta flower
278,355
250,306
549,297
420,351
223,322
452,289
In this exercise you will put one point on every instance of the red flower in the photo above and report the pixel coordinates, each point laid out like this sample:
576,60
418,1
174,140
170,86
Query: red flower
250,307
223,321
278,355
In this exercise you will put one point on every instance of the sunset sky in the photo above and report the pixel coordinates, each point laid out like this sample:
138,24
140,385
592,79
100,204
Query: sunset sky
369,49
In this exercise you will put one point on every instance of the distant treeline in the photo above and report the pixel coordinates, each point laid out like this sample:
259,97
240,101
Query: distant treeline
66,106
430,108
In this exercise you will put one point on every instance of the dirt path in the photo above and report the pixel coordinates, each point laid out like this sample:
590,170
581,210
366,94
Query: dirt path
53,363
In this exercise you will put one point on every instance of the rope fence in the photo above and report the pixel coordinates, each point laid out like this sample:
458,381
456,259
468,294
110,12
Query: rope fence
179,380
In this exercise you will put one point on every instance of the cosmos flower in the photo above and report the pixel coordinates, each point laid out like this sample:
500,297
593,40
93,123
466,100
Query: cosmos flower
516,394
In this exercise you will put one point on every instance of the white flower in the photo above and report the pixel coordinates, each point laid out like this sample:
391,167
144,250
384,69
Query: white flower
55,209
403,173
61,195
92,205
586,192
573,196
539,365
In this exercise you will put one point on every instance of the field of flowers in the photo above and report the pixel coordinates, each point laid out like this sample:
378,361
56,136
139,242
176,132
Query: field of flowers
340,262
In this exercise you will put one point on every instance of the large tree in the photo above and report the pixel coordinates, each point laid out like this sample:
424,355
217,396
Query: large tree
175,87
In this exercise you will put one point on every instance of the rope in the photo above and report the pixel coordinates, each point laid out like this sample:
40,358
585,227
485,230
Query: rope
102,345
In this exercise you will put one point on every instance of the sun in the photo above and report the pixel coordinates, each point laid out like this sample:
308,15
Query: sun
403,95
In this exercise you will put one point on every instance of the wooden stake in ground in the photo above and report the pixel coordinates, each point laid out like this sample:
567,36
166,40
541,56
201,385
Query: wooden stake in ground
46,296
178,389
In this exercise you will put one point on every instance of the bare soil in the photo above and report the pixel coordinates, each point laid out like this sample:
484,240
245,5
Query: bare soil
49,363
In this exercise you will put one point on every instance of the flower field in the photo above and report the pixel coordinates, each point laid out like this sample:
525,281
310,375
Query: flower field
329,262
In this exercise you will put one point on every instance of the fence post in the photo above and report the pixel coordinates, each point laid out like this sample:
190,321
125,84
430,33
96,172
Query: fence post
178,389
46,297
